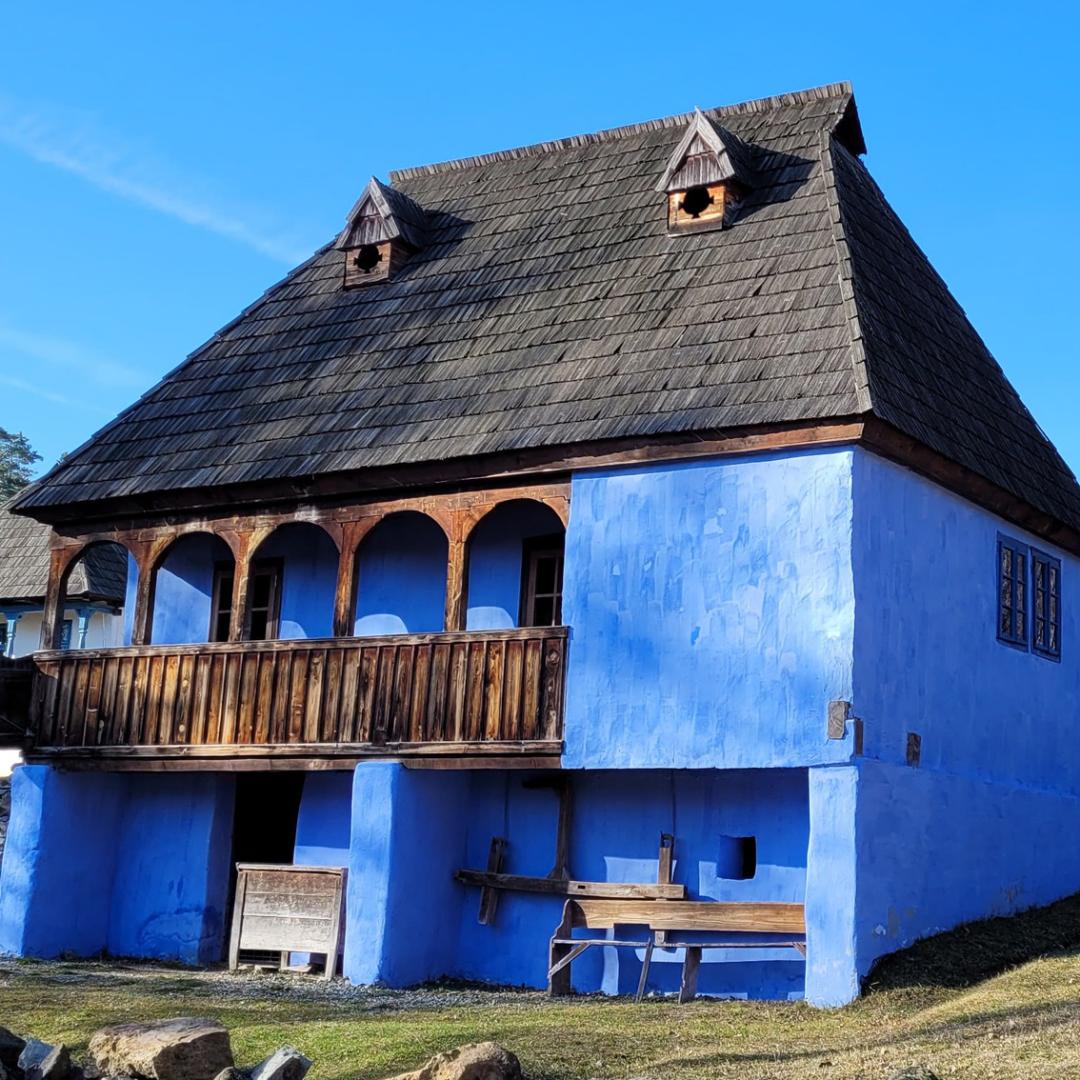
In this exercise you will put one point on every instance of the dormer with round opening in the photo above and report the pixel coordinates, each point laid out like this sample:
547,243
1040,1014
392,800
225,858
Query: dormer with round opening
706,177
383,229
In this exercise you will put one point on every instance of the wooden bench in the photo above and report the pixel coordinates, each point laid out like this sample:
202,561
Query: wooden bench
663,917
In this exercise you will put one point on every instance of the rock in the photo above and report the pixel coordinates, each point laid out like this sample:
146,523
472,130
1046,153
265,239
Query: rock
232,1073
914,1072
44,1061
11,1046
285,1063
180,1049
478,1061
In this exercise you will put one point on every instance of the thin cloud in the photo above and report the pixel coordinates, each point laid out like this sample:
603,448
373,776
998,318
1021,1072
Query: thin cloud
48,395
70,355
75,142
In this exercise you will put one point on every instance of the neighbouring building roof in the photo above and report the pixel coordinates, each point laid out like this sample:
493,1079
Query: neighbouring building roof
549,306
101,574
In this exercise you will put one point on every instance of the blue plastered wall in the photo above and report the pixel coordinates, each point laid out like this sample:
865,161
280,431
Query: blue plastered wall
411,829
323,826
183,589
56,879
984,824
113,862
309,567
408,837
401,577
712,611
172,853
495,562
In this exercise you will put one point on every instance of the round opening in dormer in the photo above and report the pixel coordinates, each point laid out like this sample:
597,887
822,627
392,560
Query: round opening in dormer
696,201
367,258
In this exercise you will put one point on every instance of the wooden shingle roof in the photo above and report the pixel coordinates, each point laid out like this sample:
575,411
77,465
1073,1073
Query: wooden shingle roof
549,307
101,574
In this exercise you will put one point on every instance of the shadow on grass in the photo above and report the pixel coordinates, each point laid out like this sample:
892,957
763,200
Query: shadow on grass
978,950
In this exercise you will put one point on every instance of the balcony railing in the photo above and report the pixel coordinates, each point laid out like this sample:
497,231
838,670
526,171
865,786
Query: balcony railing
465,693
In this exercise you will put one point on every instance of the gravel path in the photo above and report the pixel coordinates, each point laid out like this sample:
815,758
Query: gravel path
270,986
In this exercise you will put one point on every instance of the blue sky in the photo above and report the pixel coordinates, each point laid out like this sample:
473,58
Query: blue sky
161,165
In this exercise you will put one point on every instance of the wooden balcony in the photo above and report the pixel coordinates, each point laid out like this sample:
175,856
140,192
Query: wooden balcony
305,703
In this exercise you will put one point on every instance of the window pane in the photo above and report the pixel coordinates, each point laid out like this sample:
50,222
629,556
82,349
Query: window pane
545,573
260,591
259,621
544,611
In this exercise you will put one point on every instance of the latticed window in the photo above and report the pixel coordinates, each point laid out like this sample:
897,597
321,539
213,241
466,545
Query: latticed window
1012,594
1046,605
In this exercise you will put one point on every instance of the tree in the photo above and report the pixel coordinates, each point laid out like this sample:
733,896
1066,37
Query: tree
17,457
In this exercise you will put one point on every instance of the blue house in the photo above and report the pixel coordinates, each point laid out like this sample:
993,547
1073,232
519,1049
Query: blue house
634,517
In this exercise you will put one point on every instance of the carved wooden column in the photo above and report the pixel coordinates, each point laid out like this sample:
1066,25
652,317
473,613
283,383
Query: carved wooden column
51,619
242,548
352,536
142,621
457,570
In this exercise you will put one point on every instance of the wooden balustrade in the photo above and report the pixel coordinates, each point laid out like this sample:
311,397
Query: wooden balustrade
467,693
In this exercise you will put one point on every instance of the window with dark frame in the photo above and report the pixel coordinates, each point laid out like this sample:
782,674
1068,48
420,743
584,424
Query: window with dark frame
263,611
221,607
1046,605
65,634
3,637
542,581
1012,592
265,603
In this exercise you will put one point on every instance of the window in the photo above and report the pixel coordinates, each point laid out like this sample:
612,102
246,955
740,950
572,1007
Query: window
265,597
1046,605
542,582
265,600
65,634
3,637
1012,598
221,603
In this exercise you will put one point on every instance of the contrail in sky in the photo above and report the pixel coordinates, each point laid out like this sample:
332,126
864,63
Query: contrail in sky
75,142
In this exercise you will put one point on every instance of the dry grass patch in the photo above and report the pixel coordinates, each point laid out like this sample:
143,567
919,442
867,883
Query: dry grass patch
941,1004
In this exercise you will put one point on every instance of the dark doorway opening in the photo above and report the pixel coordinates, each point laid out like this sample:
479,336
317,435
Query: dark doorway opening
264,826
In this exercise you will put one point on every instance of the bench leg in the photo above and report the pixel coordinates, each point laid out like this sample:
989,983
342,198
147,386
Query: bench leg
561,957
644,970
691,963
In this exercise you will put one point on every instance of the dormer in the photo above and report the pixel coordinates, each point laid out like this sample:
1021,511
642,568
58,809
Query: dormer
383,229
706,177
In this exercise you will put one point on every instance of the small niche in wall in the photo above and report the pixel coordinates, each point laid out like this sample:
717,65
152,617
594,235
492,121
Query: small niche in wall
737,858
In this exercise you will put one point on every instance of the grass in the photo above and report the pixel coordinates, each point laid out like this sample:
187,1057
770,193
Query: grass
994,1000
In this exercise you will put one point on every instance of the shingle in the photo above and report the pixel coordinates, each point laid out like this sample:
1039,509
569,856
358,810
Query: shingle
549,305
24,565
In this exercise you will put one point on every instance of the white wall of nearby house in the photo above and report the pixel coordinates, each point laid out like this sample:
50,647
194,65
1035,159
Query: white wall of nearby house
104,631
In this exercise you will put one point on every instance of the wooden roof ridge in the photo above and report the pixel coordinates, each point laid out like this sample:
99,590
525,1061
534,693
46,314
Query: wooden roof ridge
847,118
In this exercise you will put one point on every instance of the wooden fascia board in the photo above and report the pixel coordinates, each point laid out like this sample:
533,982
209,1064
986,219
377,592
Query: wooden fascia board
891,443
560,462
491,470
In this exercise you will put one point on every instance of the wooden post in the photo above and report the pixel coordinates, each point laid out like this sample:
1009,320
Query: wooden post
241,597
353,533
456,576
561,870
51,619
489,897
142,620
